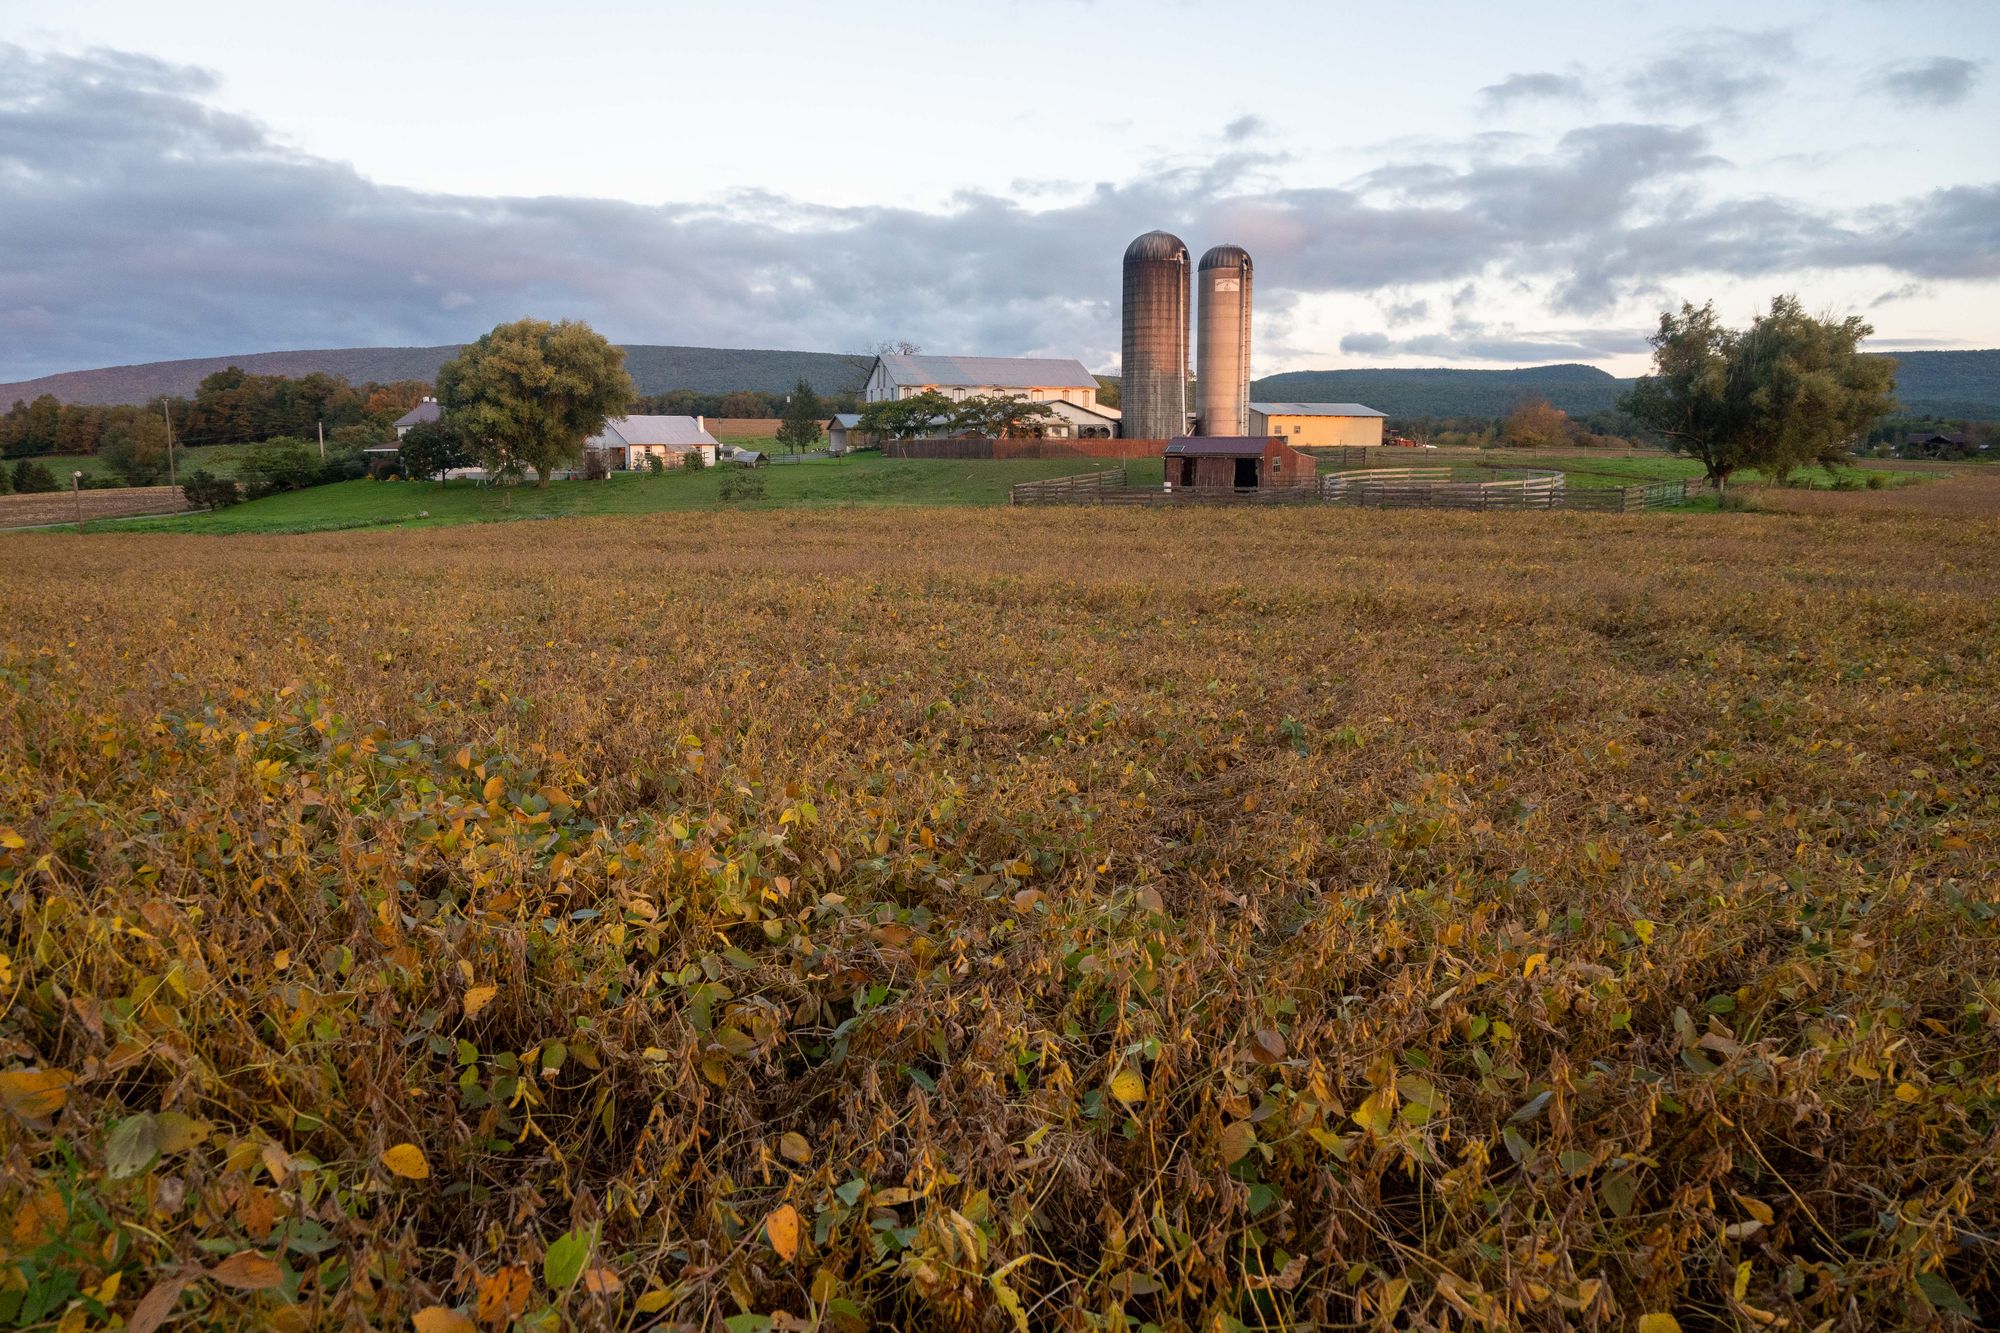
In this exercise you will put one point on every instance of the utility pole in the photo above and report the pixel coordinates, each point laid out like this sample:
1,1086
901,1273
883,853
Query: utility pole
168,412
322,441
76,495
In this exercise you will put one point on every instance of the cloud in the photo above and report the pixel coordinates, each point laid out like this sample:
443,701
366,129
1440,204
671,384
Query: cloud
1244,127
1941,81
1539,87
1473,341
141,223
1716,72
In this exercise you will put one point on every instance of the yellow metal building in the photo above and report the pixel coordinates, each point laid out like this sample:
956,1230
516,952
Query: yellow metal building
1307,424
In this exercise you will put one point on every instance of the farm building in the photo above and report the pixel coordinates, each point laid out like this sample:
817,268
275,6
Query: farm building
843,432
1317,423
1240,462
427,410
1060,382
631,442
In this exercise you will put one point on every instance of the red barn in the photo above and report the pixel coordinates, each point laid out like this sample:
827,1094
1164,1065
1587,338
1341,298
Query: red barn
1238,462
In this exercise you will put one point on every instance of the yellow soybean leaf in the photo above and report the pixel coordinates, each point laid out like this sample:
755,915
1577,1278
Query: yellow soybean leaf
478,997
494,789
1128,1086
408,1161
437,1319
654,1301
792,1146
782,1226
35,1094
1535,960
1238,1138
1659,1323
246,1270
1907,1092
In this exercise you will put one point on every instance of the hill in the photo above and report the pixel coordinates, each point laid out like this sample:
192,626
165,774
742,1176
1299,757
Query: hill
1938,384
1440,392
654,368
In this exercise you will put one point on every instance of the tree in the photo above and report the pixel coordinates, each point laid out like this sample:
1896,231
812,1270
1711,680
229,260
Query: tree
925,413
1536,423
800,429
1788,391
42,425
432,448
999,415
278,465
33,476
897,347
529,393
136,450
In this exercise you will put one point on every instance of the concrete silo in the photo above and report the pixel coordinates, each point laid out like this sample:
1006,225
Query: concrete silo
1222,343
1153,396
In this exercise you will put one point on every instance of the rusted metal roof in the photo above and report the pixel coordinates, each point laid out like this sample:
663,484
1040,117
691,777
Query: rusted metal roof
1219,446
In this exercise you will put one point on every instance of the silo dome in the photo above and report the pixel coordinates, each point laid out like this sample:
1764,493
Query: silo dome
1221,256
1154,364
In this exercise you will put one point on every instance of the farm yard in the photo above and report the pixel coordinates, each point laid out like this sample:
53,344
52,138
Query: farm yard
866,479
1006,919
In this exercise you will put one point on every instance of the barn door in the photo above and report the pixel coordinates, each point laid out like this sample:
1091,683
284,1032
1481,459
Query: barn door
1246,473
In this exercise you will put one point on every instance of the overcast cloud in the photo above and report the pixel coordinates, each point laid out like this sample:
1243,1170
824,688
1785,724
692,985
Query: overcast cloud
145,220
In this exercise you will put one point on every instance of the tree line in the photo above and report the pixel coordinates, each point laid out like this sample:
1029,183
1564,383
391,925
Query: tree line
748,404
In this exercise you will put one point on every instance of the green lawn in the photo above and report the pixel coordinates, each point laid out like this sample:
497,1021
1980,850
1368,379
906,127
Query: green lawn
860,479
221,459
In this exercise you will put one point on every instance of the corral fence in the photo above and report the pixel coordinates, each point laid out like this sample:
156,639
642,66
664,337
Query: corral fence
1110,486
1369,488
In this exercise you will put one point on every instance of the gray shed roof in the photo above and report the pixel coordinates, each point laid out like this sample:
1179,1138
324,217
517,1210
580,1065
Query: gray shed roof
1220,446
1315,410
1005,372
848,419
427,410
651,430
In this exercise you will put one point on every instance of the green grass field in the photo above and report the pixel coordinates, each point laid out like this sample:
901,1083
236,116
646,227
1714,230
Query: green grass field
221,459
862,479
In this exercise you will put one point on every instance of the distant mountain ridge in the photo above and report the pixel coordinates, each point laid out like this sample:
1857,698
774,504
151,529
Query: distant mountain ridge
1941,384
654,368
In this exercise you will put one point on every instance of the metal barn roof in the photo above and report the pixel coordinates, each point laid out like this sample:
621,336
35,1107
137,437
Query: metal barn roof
651,430
1315,410
1004,372
427,410
1219,446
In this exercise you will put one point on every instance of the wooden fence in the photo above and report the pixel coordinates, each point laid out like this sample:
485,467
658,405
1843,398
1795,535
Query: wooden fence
1635,499
1370,488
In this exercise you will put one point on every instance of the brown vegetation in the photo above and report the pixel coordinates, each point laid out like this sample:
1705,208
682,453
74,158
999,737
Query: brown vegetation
39,509
1005,919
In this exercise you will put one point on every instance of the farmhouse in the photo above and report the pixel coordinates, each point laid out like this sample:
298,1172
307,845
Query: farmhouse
1235,462
1317,423
427,410
1058,381
630,443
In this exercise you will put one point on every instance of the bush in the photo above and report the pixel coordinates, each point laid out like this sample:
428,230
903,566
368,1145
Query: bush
1876,481
286,464
209,491
693,461
30,476
741,484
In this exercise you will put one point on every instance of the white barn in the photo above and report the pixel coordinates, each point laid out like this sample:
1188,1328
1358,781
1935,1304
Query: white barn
1061,382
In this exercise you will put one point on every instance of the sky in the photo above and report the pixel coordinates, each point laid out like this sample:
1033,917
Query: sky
1465,184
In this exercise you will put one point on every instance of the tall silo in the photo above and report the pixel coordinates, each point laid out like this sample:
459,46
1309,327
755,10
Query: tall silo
1153,395
1222,343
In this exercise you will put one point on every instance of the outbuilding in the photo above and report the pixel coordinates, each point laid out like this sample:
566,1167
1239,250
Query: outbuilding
1235,462
631,443
1318,423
